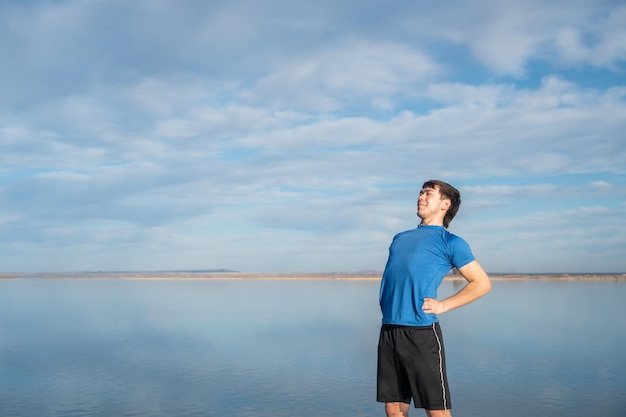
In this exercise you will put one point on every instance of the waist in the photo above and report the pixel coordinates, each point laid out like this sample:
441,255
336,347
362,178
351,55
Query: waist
391,327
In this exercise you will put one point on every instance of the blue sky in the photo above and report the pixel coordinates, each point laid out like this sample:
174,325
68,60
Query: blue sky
284,136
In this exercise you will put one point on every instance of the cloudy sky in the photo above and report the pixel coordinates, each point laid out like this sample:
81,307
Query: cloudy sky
283,136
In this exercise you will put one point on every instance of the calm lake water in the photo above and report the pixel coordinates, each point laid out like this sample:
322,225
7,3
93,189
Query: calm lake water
298,349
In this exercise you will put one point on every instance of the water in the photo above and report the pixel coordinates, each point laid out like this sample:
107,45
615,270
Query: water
297,348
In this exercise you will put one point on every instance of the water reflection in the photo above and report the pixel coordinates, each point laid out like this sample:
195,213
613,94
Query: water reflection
301,348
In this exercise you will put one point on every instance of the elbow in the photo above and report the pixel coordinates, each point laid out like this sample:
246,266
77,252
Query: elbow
486,287
482,285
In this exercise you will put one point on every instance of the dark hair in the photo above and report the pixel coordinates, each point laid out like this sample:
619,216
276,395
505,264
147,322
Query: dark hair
447,192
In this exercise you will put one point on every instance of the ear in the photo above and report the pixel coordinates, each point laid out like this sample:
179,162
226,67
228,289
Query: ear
446,204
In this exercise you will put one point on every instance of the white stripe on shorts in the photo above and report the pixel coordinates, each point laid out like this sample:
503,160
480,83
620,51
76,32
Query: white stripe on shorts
443,385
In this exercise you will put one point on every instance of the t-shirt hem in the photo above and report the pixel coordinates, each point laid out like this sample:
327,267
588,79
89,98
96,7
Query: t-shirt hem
409,323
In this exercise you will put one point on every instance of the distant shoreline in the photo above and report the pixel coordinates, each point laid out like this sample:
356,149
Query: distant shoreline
363,276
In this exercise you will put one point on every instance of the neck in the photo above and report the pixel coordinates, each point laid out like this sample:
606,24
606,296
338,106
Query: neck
433,222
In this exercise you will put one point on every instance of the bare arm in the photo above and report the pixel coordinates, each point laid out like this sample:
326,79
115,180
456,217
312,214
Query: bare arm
478,284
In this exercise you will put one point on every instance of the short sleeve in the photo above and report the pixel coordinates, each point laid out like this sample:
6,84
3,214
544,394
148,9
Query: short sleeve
460,252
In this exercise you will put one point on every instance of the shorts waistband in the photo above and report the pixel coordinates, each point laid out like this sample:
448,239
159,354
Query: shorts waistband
386,327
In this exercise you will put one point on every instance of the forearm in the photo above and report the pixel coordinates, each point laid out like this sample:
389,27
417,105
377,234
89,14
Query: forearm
470,292
478,284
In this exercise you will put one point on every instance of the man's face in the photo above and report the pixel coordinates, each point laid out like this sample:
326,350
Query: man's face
430,204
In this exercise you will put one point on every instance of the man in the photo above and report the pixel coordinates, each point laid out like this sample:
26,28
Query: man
411,359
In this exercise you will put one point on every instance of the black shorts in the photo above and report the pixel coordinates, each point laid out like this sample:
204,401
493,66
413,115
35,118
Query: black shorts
412,364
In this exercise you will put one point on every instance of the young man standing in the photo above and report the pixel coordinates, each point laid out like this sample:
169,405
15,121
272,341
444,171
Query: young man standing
411,359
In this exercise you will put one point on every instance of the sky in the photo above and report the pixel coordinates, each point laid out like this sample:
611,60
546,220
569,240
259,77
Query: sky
293,136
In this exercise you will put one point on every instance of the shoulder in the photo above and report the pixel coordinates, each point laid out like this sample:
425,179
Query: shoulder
406,232
454,241
459,250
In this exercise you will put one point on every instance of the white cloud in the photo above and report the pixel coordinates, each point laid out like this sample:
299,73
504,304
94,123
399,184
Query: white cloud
327,80
601,43
507,36
176,128
155,132
601,184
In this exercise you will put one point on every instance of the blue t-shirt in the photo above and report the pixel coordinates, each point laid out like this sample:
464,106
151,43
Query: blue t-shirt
419,259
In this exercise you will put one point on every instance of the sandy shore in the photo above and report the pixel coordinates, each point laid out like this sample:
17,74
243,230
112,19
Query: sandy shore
357,276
